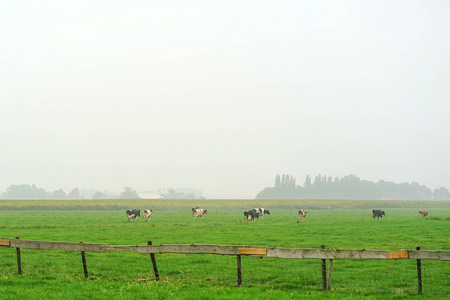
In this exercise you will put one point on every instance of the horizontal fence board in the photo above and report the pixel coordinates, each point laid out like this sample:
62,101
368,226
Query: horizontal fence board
429,254
326,253
253,251
4,242
274,252
400,254
65,246
186,249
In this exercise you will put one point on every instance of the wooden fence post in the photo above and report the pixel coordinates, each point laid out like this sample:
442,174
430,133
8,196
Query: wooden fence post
83,259
155,267
324,271
330,268
239,271
419,272
19,260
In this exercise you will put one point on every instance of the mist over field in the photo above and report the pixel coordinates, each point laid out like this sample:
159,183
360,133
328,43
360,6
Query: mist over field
222,97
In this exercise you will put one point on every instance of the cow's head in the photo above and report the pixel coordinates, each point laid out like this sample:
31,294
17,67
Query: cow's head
205,212
267,212
382,213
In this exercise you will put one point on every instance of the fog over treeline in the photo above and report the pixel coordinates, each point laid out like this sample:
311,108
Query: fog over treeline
285,187
349,187
26,191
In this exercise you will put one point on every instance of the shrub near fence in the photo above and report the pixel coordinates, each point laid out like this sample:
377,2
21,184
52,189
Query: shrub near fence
250,265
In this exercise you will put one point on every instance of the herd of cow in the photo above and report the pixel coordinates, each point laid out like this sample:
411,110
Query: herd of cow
134,213
249,215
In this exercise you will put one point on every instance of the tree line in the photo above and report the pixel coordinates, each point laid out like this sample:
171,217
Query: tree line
349,187
26,191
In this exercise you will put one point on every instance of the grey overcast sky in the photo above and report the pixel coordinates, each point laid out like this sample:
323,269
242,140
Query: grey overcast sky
223,95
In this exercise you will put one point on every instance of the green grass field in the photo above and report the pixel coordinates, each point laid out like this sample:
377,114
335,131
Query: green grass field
335,224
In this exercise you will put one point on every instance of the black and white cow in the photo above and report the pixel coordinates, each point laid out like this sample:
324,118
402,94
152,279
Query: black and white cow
261,212
133,214
378,213
147,214
301,213
251,215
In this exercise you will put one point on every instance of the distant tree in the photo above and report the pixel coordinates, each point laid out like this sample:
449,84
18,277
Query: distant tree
349,187
59,194
441,194
73,194
307,182
97,195
284,188
190,196
277,181
129,193
25,191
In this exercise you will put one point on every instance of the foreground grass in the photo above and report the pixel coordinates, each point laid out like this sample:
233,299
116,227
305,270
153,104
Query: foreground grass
54,274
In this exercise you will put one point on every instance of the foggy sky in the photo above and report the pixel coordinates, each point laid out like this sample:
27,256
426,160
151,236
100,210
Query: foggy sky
223,95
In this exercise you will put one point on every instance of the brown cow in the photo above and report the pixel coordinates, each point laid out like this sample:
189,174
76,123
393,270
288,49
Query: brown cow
198,212
423,213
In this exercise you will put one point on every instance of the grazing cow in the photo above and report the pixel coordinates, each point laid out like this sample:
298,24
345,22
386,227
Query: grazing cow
251,215
147,214
301,213
423,213
378,213
261,212
133,214
198,212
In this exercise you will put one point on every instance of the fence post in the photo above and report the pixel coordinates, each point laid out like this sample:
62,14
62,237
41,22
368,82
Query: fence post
330,268
155,267
239,271
419,272
324,271
19,260
83,259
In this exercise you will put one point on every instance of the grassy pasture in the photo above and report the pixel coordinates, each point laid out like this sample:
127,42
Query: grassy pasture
336,224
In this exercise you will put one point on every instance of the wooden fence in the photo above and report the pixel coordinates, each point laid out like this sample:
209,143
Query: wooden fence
274,252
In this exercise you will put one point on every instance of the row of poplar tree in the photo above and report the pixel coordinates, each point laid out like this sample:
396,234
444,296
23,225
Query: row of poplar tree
349,187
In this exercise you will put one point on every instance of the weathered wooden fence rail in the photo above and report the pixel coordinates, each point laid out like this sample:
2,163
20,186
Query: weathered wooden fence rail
238,250
275,252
